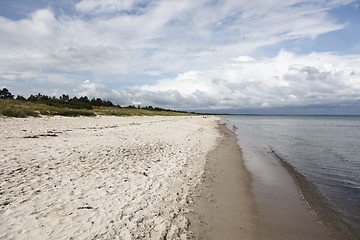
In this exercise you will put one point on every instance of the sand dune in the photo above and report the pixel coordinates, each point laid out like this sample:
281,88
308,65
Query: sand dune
101,177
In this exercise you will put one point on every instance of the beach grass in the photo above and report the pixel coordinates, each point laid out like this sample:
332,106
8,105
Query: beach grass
23,109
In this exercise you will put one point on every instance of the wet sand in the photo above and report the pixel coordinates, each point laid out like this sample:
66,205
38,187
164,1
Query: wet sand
281,212
224,207
232,203
280,209
319,207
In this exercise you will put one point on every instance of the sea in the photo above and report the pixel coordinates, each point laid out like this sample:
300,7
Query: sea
321,153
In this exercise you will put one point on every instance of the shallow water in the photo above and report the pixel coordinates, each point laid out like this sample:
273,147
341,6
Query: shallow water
325,150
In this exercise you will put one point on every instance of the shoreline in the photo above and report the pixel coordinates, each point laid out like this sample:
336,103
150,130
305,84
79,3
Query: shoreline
227,205
223,204
318,206
280,209
134,177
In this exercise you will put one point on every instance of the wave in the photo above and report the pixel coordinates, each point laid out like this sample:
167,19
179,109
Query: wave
318,205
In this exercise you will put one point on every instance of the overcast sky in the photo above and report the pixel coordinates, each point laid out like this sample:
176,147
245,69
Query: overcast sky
215,55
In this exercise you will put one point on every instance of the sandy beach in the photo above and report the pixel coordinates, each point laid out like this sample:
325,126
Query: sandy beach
224,206
110,178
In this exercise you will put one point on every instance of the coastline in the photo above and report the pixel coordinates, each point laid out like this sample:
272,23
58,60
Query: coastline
319,207
224,206
281,211
134,177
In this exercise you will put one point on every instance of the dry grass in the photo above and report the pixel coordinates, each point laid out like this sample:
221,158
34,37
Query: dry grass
16,108
115,111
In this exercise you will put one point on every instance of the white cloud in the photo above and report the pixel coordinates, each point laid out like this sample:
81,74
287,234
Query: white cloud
243,59
191,39
167,35
100,6
283,81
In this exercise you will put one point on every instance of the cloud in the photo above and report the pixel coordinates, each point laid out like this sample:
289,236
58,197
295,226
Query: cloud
137,96
243,59
283,81
207,45
98,90
166,35
107,6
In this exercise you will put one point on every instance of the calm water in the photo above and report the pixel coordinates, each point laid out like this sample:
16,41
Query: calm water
326,150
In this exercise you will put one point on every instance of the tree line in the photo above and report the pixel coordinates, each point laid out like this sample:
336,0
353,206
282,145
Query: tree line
75,102
62,101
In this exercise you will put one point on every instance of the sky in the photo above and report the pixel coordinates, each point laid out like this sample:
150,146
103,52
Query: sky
219,56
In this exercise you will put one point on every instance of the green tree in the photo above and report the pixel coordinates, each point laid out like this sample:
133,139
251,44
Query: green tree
5,94
32,98
21,98
64,98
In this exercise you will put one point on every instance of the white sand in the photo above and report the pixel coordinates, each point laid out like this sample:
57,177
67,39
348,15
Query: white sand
102,177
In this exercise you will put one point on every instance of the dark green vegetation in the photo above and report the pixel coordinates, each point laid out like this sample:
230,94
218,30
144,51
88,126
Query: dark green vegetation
37,105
